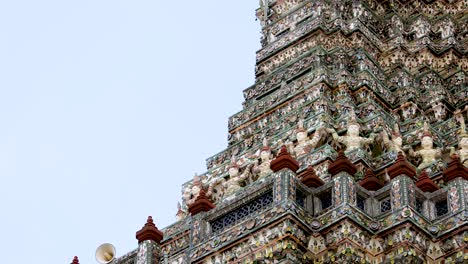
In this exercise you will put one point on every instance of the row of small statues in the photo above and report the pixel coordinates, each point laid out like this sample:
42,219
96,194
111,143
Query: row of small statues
227,186
260,168
352,141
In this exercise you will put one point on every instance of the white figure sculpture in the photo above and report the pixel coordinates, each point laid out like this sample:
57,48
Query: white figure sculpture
304,145
395,144
263,169
181,214
352,140
427,152
357,9
232,184
211,193
446,29
439,110
462,151
397,26
191,192
421,28
409,110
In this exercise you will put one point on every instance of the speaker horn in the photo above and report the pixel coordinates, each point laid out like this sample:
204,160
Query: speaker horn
105,253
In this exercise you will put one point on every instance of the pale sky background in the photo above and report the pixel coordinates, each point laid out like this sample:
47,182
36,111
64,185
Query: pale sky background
106,108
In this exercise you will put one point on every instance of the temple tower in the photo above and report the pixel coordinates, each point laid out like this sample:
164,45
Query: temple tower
351,145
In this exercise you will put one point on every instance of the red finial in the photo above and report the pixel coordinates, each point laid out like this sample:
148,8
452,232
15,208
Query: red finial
310,178
425,183
149,232
201,204
284,160
342,163
401,166
455,169
75,260
370,182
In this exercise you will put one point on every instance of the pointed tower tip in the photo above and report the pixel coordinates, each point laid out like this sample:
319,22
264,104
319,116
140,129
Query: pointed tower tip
75,260
149,232
149,220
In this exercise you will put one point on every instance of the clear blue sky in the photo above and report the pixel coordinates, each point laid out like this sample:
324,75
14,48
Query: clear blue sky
106,108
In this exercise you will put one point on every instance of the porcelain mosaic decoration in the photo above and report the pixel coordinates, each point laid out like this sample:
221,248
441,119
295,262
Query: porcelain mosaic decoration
351,146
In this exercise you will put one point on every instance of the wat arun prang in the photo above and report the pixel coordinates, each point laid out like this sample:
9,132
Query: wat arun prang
351,146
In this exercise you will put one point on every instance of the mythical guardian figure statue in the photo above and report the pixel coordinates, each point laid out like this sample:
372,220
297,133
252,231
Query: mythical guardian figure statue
427,152
263,169
395,143
462,151
352,140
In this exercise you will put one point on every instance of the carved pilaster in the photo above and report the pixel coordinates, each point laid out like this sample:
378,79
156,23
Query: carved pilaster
456,195
149,239
148,252
402,192
198,229
284,186
344,189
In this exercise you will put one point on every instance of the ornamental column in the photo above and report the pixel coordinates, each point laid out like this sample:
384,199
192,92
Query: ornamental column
402,175
342,171
284,185
149,243
456,177
197,211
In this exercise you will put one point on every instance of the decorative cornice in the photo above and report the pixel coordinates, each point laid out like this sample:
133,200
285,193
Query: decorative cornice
284,160
149,232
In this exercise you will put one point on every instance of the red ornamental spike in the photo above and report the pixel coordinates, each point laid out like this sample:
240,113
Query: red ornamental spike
455,170
75,260
284,160
342,163
370,182
310,178
149,232
201,204
400,167
425,183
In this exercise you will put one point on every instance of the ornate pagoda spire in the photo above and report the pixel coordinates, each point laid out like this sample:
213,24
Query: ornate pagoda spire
75,260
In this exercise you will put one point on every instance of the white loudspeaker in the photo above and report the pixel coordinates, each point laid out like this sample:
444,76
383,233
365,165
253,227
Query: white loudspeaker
105,253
